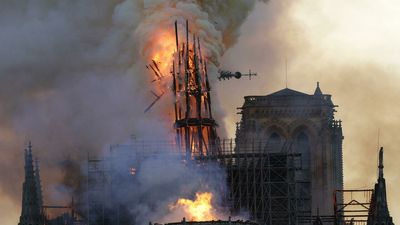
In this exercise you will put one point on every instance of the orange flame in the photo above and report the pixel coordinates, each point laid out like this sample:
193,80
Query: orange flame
161,49
200,209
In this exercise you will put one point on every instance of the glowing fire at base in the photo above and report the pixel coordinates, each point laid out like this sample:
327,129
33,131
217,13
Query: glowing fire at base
200,209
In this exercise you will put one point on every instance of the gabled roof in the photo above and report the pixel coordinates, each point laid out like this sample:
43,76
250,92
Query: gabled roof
287,92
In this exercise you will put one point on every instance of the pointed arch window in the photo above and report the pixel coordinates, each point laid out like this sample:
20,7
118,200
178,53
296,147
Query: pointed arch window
303,146
275,138
274,142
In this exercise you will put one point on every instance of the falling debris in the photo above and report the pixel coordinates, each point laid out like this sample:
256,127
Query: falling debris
156,71
154,102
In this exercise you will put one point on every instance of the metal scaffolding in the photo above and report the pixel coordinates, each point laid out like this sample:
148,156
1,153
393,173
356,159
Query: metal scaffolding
355,208
106,176
266,184
97,191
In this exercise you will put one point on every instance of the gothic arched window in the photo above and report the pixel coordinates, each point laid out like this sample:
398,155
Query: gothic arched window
302,145
302,138
274,142
275,138
304,148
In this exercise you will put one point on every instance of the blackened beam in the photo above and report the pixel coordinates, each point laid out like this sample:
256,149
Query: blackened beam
156,66
154,102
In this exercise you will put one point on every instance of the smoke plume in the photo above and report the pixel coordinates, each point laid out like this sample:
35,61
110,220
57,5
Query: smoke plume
158,181
72,78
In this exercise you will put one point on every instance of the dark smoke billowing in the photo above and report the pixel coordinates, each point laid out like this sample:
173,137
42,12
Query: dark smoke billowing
72,77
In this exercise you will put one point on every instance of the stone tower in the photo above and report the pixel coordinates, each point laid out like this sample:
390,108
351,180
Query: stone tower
38,183
295,122
379,211
31,203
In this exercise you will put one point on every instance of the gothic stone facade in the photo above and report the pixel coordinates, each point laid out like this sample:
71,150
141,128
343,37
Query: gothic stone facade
296,122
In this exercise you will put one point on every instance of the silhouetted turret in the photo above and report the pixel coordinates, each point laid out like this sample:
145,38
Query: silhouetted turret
379,212
31,202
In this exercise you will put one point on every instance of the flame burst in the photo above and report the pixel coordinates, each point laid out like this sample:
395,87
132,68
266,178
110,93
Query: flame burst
161,48
159,52
200,209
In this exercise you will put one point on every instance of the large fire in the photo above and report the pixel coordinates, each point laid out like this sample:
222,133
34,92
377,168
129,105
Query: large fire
161,49
179,60
199,209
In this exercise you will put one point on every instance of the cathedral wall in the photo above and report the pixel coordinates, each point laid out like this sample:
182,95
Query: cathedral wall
278,129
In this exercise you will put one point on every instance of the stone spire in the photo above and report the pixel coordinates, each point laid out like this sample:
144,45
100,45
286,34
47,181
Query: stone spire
31,213
317,90
38,183
379,211
380,166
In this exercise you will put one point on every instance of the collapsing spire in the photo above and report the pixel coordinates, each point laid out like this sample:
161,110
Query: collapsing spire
31,213
379,211
194,123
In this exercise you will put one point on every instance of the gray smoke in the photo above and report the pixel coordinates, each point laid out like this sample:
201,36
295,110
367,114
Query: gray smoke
158,181
72,76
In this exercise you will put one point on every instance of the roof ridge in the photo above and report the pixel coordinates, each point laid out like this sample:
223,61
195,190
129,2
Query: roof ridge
288,92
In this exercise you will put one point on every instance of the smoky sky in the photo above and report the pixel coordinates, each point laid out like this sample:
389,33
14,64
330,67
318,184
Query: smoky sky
351,50
73,80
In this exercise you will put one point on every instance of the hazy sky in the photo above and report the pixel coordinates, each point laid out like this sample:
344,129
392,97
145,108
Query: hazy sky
351,47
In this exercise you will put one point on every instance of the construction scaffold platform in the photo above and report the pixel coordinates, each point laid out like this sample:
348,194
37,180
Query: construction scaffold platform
264,183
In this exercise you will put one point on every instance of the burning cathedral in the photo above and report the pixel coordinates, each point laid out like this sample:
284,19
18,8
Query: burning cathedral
284,166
